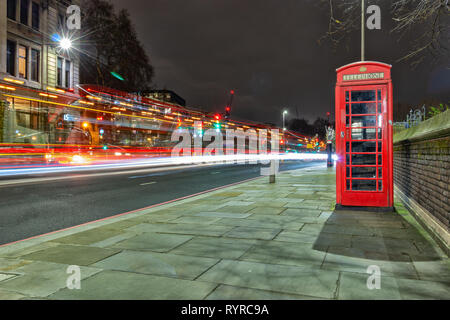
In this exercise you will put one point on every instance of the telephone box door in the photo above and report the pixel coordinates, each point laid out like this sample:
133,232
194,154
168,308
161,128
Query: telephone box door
364,135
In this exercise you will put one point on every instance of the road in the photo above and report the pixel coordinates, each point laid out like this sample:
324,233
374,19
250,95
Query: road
38,205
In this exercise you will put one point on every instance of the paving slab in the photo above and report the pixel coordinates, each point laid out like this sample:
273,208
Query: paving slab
88,237
41,279
188,229
434,270
252,233
323,239
196,220
267,210
70,254
225,292
10,295
284,253
224,248
161,264
152,242
360,265
285,279
223,215
117,285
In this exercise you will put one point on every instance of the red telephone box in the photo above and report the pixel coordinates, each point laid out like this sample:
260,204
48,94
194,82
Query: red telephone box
364,173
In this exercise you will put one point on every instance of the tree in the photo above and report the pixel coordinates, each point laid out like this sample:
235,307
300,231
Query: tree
110,44
303,126
426,20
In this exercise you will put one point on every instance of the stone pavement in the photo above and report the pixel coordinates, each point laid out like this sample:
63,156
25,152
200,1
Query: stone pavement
254,240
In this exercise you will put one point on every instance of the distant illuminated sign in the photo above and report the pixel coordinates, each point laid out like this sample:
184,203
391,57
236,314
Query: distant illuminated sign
363,76
69,117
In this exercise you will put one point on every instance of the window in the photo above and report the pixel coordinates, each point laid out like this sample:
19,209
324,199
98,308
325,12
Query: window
23,61
35,64
59,78
24,6
67,74
11,58
35,19
12,9
61,22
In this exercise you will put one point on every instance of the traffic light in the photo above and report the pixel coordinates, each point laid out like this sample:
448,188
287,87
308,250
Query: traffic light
227,112
217,124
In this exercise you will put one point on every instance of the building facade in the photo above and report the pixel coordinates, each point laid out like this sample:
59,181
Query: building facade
27,51
34,68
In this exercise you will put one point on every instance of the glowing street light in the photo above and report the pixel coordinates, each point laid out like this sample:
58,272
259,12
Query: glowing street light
284,119
65,43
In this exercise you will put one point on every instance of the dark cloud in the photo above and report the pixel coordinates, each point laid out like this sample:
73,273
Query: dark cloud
265,50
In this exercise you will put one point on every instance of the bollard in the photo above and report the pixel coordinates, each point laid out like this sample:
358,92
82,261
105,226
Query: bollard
272,172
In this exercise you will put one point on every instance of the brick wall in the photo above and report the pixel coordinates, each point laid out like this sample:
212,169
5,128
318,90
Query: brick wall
422,172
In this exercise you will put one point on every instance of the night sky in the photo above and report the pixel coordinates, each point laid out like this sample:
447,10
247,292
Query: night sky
267,51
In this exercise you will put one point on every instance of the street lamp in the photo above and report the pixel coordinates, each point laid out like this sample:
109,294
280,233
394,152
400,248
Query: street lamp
65,43
284,119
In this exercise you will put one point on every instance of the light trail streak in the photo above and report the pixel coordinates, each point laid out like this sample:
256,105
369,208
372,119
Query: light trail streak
169,161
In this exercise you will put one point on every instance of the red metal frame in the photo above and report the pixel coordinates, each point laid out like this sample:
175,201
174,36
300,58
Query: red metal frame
351,133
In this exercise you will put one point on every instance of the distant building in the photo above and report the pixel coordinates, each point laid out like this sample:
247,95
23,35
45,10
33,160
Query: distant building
166,96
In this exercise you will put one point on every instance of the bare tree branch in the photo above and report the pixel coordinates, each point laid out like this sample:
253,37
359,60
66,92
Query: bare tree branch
410,17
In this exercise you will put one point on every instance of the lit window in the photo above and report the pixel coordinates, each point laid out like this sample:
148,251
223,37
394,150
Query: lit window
23,62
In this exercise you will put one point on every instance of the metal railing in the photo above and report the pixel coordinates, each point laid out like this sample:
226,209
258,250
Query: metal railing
413,118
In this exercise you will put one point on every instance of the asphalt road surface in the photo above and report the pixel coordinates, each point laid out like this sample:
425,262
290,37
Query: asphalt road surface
31,206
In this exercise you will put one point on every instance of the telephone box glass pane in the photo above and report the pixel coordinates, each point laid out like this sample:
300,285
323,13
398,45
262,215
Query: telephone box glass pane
380,172
348,160
364,159
365,134
380,160
364,121
363,95
347,99
347,109
364,185
348,172
379,94
348,185
366,146
364,172
379,108
380,185
364,108
347,148
380,147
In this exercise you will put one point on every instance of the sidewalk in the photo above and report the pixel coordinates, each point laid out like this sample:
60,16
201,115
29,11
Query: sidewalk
249,241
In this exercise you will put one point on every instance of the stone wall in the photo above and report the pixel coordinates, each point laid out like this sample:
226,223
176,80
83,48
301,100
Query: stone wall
422,167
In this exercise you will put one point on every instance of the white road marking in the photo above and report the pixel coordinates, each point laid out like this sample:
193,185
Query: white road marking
148,183
77,176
